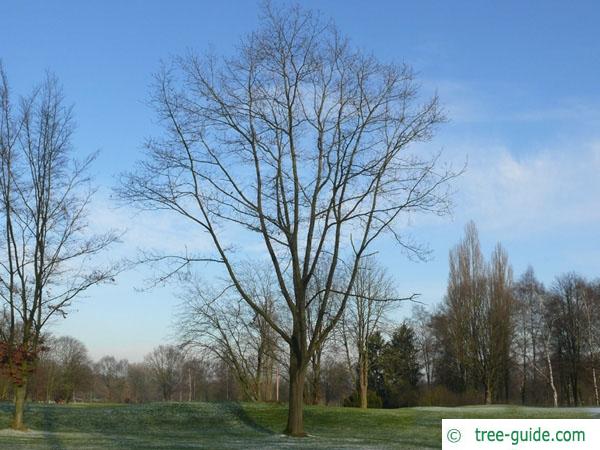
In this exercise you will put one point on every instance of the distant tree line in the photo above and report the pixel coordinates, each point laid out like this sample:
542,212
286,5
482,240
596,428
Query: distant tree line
65,373
491,340
497,340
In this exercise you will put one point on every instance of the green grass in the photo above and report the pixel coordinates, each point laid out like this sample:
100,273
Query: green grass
239,425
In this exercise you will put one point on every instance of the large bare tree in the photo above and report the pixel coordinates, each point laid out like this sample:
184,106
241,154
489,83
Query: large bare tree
302,144
47,250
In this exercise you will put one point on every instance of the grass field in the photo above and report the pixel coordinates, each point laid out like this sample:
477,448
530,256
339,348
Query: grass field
240,425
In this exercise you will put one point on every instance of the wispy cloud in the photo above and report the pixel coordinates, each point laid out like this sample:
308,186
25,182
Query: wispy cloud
476,103
532,192
160,230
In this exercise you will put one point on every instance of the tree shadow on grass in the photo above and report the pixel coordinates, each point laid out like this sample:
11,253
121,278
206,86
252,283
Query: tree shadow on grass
238,411
48,424
49,428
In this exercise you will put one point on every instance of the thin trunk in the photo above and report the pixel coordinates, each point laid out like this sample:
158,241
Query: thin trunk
506,381
277,385
428,368
20,394
267,388
4,392
363,381
49,388
257,381
524,376
534,362
489,394
316,394
295,424
551,379
595,386
575,384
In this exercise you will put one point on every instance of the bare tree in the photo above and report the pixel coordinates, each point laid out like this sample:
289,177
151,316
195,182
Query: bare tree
74,367
425,337
113,376
218,321
314,393
140,383
373,296
501,314
591,312
464,308
546,333
566,304
529,294
195,371
302,142
48,252
535,322
479,305
166,364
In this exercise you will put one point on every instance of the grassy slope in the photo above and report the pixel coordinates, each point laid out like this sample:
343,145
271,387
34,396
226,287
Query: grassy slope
233,425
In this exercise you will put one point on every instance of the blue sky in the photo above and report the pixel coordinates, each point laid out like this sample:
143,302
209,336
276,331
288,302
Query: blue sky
519,81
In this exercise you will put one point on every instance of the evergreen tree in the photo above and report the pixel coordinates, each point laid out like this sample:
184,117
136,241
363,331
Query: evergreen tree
401,368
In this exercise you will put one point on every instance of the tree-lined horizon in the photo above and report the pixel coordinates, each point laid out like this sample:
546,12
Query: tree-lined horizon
224,353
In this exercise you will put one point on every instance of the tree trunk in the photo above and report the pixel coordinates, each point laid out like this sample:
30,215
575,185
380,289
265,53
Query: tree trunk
48,388
190,393
363,381
575,384
4,392
295,424
316,394
489,394
277,385
20,394
595,386
551,378
268,383
524,377
534,373
506,384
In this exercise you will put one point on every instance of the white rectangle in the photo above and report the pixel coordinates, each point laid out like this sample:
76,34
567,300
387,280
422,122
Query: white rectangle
520,434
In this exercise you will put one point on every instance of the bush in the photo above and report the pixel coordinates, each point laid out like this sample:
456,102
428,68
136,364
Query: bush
373,400
442,396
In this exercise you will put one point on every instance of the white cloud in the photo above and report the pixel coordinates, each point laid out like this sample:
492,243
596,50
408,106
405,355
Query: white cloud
501,102
533,192
160,230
